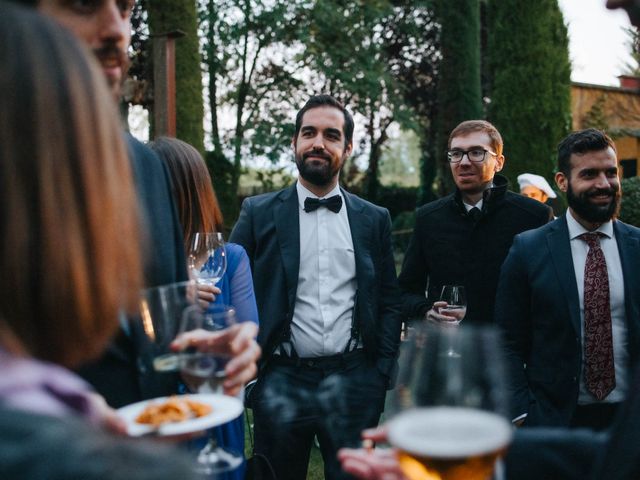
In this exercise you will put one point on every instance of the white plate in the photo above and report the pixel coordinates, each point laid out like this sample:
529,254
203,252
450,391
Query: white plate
224,409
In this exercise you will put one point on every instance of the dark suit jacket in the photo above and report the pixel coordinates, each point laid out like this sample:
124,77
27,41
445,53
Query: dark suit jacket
117,375
449,248
560,453
268,229
538,309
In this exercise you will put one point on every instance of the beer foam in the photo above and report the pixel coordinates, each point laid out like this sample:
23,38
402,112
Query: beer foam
449,432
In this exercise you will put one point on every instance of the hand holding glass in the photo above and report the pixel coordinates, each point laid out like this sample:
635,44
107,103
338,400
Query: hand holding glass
207,258
453,304
450,411
161,310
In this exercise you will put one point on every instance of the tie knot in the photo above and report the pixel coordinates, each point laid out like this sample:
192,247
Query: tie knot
592,239
332,203
475,213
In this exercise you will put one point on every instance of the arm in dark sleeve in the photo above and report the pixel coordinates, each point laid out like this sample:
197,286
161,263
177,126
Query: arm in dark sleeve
513,317
389,308
413,277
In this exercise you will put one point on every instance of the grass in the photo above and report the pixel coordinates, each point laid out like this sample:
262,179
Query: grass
316,467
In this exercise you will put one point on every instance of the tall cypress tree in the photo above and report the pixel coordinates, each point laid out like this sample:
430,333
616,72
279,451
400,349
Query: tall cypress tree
167,16
530,85
459,93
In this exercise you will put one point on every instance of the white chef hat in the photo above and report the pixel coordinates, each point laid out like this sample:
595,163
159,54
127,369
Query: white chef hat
537,181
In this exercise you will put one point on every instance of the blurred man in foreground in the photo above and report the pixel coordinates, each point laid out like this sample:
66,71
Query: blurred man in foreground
104,26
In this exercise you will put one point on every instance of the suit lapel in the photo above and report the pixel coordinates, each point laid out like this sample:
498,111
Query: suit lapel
629,248
286,217
360,226
560,248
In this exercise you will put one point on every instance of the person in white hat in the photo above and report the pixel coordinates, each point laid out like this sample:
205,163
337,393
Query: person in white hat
536,187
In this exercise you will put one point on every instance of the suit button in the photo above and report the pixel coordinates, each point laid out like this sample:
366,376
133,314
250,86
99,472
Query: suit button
575,379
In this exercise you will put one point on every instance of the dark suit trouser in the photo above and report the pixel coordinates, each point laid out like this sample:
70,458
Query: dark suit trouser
292,403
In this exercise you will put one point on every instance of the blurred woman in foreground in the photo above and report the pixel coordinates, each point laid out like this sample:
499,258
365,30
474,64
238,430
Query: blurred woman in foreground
69,250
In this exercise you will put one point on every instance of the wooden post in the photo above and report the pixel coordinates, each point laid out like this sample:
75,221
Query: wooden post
164,83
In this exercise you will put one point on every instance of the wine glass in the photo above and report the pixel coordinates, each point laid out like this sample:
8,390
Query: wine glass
203,372
449,414
207,258
161,309
456,303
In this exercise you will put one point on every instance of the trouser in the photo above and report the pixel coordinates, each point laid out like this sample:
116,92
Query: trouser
333,398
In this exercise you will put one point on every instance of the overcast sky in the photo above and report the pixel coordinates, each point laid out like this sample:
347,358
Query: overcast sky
598,43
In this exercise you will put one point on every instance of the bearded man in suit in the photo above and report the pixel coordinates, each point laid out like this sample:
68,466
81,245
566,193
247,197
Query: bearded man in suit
327,296
569,297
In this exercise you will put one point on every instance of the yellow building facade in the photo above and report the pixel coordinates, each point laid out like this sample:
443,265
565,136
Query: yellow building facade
617,111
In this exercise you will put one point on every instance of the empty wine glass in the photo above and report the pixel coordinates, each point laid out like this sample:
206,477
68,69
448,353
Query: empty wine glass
456,303
203,372
207,258
449,414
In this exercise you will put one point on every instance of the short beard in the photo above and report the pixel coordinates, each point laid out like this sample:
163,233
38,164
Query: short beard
594,213
318,175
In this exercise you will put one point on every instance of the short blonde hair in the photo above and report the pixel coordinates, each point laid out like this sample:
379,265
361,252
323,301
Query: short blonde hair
471,126
69,231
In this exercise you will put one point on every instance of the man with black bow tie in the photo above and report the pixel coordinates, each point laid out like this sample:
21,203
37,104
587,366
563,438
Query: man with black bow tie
327,297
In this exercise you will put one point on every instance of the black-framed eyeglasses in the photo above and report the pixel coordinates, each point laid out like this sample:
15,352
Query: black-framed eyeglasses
476,154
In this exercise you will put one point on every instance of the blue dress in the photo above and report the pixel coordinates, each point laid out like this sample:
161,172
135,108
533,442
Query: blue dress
237,290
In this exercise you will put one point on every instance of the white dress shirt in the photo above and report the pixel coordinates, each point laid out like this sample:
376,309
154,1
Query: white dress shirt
609,246
325,298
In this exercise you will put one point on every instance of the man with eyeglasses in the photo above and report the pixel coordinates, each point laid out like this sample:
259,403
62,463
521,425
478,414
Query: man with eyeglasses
463,238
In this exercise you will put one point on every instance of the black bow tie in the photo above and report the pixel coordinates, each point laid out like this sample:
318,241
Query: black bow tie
332,203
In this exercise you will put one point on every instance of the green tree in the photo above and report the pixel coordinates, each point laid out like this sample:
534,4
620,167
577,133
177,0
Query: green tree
630,207
414,53
459,92
633,43
248,51
529,71
367,66
595,117
171,15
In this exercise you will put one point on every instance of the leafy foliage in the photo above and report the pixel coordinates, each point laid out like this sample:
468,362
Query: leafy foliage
459,93
381,60
596,117
248,52
529,72
630,208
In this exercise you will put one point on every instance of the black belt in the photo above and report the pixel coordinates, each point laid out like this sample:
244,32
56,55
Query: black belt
329,362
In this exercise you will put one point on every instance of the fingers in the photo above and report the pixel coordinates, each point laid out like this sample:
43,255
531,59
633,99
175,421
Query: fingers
202,340
242,368
242,333
380,464
206,295
109,418
378,434
434,317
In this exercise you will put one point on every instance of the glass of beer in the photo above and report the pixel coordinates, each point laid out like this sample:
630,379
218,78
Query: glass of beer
449,413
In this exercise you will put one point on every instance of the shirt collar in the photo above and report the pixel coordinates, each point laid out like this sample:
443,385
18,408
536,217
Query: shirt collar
304,193
477,205
575,229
